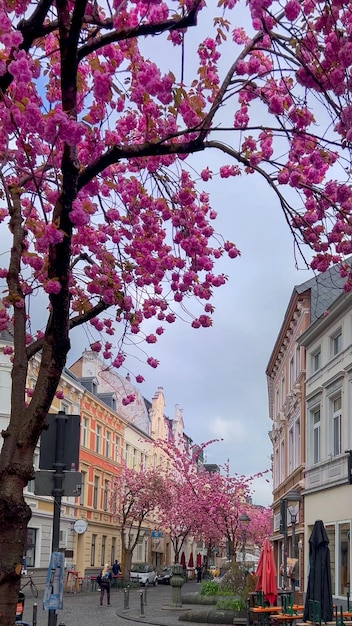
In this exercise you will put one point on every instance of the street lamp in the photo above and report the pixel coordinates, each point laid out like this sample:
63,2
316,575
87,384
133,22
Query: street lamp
293,499
244,520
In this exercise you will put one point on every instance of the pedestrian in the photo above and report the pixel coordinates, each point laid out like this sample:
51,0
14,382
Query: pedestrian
116,568
199,573
104,580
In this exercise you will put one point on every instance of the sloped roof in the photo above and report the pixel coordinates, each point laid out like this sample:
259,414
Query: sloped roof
324,289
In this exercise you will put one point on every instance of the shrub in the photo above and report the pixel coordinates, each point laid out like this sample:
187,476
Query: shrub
235,604
209,588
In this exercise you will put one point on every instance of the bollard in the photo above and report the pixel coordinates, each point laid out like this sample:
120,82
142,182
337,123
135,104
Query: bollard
145,593
35,611
142,603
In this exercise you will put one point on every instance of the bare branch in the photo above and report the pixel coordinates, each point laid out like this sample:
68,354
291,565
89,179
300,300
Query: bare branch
187,20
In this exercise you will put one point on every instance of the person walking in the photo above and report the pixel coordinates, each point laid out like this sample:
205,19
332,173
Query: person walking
116,568
104,580
199,573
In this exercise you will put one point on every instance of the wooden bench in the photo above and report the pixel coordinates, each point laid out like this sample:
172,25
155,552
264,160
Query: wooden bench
285,618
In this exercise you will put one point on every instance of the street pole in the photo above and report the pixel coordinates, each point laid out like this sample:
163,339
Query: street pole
243,547
57,493
283,525
293,522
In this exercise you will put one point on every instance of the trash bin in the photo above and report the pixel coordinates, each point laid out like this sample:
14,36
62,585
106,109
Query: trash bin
20,606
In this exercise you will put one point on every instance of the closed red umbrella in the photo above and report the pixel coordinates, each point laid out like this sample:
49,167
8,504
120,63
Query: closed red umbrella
266,573
190,560
199,560
183,559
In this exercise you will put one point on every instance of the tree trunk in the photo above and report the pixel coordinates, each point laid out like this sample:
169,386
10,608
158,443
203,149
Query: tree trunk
16,467
127,562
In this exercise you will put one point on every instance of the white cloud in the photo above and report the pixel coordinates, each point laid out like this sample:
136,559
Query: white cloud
232,430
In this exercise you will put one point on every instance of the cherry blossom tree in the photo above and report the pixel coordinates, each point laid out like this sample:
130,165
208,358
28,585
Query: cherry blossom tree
224,499
135,497
108,223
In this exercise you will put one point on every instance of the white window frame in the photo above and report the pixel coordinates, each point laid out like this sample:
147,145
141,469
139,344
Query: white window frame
96,487
117,445
297,440
97,438
336,343
107,444
336,425
315,434
316,360
85,427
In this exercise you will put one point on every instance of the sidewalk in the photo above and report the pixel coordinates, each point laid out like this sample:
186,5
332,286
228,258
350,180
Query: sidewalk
83,609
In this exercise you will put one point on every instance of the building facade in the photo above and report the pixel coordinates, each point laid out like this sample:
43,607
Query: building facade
286,378
328,473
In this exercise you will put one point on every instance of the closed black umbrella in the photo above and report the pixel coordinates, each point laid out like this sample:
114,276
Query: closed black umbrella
319,578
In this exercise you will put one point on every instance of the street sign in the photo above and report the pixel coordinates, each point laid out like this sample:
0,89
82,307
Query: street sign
156,534
44,483
47,454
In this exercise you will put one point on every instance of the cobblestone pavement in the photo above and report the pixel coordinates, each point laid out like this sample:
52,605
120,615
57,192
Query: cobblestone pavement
83,609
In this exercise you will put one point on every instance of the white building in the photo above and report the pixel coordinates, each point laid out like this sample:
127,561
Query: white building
328,488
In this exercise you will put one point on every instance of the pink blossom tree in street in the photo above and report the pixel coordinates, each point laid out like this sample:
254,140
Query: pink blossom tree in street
225,498
105,220
135,496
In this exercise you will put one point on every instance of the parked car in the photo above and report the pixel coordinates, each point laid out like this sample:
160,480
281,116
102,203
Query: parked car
214,571
164,575
143,573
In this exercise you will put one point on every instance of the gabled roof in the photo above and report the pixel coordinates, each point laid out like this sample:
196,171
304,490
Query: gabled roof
323,290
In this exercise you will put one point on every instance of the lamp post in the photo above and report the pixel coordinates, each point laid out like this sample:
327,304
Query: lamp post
244,520
293,499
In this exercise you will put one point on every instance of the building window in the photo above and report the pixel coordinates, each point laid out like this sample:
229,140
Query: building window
292,372
83,487
84,433
298,361
336,343
65,408
344,559
282,462
95,492
297,441
107,444
97,438
103,547
277,402
92,549
336,425
276,472
106,495
30,547
291,451
283,390
316,435
113,547
127,453
134,459
316,360
117,449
